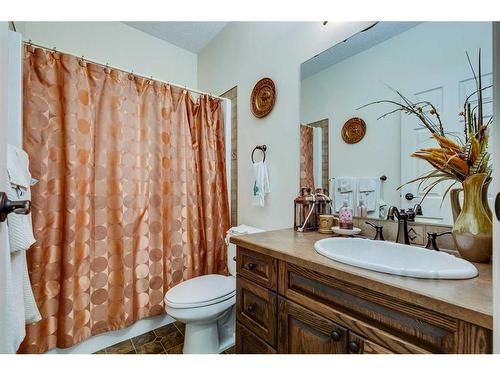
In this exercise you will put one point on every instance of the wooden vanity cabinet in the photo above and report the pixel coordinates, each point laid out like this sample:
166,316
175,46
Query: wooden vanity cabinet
301,331
284,308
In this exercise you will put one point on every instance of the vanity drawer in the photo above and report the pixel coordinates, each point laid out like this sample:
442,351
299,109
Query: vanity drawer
257,267
360,345
412,329
256,308
248,343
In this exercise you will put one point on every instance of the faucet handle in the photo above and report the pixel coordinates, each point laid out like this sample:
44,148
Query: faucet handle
392,212
432,240
379,234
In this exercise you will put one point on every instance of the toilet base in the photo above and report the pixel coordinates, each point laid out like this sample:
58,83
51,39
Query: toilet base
210,338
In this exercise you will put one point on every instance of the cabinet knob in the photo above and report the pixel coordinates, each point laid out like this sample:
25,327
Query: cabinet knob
250,266
336,335
250,308
353,347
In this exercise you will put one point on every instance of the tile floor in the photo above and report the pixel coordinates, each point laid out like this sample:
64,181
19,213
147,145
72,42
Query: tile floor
168,339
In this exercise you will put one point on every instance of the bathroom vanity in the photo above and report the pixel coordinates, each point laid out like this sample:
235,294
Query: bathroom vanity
290,299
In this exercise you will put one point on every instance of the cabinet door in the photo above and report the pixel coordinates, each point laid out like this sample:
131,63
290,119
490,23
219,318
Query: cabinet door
301,331
360,345
256,309
248,343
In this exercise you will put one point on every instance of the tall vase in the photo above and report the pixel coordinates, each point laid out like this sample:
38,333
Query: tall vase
455,200
472,229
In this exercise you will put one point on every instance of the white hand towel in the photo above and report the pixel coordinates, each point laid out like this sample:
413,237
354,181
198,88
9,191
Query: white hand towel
369,192
343,189
345,184
12,322
20,226
260,184
366,184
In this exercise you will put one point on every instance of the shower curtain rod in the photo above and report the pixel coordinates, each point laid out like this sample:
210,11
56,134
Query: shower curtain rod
54,49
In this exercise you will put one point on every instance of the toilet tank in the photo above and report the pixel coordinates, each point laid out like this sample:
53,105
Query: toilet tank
231,248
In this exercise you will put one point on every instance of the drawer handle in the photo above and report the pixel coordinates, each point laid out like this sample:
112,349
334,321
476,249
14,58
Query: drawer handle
354,347
250,266
250,308
336,335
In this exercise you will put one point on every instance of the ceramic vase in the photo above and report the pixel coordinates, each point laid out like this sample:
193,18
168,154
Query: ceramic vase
455,200
472,229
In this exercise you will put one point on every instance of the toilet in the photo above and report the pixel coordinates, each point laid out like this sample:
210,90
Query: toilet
206,304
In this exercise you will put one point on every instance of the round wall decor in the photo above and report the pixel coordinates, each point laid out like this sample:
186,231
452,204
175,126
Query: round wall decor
353,130
263,97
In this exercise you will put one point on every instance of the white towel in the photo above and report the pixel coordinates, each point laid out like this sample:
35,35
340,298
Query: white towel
344,188
20,235
12,322
260,184
20,226
369,192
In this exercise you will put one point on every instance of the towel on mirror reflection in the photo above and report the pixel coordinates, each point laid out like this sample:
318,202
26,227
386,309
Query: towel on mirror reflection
20,227
344,188
369,192
346,184
260,184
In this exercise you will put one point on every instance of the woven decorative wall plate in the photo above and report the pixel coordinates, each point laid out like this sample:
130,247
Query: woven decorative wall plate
353,130
263,97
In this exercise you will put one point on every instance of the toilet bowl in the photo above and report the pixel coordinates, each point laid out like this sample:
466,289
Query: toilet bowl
206,304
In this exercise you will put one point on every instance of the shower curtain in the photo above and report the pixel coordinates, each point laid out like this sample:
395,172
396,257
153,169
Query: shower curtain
131,196
306,157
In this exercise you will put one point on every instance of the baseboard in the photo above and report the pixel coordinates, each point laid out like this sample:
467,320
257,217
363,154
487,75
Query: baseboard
96,343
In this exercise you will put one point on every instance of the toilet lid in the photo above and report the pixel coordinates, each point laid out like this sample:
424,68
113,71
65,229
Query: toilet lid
201,291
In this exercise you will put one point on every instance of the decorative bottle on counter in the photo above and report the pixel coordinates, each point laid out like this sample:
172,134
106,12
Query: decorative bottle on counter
345,216
361,211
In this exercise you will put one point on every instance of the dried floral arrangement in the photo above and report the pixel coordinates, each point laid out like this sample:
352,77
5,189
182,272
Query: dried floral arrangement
455,157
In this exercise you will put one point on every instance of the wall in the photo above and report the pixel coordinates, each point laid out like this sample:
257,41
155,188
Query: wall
428,50
119,45
240,55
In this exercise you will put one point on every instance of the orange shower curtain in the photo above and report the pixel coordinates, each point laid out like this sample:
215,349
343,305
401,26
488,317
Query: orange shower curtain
131,197
306,157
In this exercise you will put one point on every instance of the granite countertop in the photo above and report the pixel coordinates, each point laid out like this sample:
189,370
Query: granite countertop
469,300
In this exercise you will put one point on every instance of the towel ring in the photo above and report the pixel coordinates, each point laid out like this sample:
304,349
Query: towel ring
262,148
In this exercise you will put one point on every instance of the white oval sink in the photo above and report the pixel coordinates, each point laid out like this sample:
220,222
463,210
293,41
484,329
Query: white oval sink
396,259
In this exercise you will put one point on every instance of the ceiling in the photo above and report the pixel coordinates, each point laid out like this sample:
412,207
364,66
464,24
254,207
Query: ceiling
360,42
192,36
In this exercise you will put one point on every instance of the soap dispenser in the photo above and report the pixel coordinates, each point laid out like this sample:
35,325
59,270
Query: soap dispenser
361,211
345,216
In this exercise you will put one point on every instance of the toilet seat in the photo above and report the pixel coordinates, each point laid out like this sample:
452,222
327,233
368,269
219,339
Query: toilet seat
201,291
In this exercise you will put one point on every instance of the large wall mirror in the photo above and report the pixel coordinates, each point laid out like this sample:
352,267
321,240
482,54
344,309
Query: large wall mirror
425,61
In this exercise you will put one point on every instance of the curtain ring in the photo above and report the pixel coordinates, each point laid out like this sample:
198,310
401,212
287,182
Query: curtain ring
106,69
55,53
31,49
131,75
82,62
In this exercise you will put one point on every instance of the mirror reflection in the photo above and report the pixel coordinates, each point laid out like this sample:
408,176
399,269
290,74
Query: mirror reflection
362,154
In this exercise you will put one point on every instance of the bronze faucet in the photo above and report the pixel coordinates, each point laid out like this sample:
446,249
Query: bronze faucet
402,217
